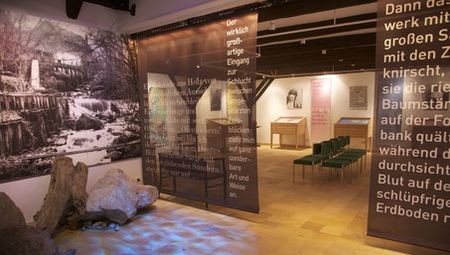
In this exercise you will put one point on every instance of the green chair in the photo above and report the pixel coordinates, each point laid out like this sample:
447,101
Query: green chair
361,153
309,160
340,164
336,162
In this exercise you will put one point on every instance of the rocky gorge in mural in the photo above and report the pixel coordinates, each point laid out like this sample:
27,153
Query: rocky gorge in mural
64,90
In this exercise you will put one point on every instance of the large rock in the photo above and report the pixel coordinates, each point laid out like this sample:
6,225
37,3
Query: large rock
86,122
11,216
66,198
19,239
116,197
27,240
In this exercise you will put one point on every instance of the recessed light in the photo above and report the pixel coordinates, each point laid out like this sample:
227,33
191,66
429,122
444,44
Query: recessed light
341,60
324,52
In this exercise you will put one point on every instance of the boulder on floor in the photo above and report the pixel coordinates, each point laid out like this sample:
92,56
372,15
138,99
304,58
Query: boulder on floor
66,197
26,240
18,238
11,216
116,197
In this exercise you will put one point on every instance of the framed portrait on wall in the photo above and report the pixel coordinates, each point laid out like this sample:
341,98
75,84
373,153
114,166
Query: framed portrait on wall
294,99
358,98
216,99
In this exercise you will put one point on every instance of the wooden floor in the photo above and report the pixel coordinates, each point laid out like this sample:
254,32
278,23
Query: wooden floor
300,218
319,218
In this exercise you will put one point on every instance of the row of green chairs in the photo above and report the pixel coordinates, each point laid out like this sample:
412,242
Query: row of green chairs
333,154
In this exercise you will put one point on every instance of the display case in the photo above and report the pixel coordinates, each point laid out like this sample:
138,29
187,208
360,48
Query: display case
355,128
288,126
218,133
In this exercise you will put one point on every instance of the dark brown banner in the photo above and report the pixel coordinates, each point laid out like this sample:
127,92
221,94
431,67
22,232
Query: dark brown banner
198,112
410,179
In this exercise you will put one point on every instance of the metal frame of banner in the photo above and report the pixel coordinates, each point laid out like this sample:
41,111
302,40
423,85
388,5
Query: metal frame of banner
205,18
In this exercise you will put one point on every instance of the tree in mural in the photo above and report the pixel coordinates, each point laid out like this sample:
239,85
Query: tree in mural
86,97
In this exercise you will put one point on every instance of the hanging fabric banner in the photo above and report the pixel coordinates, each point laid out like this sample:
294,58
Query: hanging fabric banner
410,187
320,109
198,112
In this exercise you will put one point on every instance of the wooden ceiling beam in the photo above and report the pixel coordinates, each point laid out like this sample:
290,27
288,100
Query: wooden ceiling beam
299,70
315,33
356,18
317,53
325,43
286,9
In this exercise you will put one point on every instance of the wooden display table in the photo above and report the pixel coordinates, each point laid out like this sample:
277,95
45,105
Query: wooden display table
288,126
355,128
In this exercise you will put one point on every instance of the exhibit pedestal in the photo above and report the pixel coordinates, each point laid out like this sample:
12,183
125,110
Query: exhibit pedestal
355,128
288,126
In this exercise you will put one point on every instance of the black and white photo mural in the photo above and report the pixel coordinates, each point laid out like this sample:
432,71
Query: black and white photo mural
65,89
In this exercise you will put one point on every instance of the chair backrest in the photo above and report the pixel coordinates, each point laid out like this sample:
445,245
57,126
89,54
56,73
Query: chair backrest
182,166
335,146
326,148
317,148
187,143
347,140
342,142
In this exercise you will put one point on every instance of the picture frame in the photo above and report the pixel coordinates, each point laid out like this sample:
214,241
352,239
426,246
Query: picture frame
358,98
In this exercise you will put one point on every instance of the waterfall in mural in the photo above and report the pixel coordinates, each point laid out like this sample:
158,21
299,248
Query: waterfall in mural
64,90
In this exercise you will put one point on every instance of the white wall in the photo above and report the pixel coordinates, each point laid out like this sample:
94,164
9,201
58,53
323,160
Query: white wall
28,194
273,103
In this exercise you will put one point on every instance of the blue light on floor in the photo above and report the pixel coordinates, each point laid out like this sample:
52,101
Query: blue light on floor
164,231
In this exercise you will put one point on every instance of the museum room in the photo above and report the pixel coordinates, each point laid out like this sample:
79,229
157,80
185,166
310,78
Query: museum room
224,127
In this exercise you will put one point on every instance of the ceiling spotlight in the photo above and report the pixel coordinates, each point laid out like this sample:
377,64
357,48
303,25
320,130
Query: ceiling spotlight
341,60
303,41
353,65
198,66
324,52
